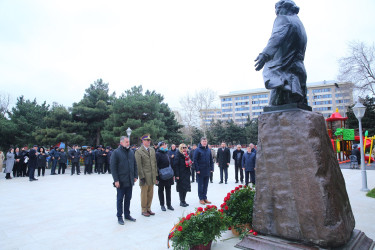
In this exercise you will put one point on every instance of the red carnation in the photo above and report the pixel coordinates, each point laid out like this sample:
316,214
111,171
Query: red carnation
188,217
255,233
240,186
179,229
226,208
251,231
237,188
229,228
224,203
245,186
221,210
232,191
200,209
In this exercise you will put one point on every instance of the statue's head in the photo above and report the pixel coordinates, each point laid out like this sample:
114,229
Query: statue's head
286,7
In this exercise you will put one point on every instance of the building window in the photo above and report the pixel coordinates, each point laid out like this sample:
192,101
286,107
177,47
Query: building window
242,103
343,101
322,109
322,96
259,96
242,114
257,113
241,120
342,95
241,98
259,102
321,90
257,107
227,115
243,108
226,110
226,99
322,102
226,104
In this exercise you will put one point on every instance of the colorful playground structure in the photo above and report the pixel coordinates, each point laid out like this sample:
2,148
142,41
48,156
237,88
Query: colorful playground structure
343,139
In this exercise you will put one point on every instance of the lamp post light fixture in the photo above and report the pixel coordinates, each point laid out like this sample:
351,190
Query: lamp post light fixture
359,112
129,132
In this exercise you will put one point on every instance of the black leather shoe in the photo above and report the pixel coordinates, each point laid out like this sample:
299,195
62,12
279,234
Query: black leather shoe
163,208
170,208
130,218
226,183
35,179
221,182
121,221
183,204
236,181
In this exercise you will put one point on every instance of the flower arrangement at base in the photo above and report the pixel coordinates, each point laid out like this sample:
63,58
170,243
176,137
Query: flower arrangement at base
199,228
238,209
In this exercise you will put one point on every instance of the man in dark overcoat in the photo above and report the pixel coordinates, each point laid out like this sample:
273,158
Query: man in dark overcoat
237,157
88,160
223,159
204,165
32,163
125,173
75,156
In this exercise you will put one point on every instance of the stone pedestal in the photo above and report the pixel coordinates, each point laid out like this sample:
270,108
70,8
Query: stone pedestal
358,241
300,190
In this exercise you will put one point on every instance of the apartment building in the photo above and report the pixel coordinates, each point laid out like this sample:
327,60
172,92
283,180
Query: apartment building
210,115
324,97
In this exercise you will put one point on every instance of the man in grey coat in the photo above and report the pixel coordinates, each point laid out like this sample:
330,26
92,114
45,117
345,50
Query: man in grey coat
125,173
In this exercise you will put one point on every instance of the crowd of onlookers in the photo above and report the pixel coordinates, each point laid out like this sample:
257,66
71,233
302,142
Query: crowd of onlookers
97,160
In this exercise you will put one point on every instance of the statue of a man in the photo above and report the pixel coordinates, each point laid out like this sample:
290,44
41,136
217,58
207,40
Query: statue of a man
284,72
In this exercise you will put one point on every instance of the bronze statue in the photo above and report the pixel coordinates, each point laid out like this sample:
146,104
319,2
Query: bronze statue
284,72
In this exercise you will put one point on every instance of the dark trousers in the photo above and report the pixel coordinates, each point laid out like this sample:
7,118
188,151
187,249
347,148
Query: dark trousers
212,176
88,168
75,165
31,173
100,167
202,186
107,168
43,170
53,169
192,174
62,167
252,176
225,170
124,195
23,170
182,195
15,170
238,168
167,194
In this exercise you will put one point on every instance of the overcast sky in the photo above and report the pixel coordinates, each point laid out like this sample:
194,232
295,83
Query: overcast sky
53,50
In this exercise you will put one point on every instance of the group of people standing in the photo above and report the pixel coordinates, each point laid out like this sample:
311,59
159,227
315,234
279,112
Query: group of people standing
161,167
24,162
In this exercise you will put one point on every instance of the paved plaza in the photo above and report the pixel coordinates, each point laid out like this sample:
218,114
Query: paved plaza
78,212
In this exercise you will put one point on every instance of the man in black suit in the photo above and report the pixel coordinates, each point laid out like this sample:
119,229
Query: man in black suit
237,157
223,159
100,158
32,163
125,173
75,156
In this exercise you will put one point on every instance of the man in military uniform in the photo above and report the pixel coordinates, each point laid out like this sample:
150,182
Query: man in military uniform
147,172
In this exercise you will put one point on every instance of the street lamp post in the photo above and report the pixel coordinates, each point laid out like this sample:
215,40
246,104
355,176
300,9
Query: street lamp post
129,132
359,112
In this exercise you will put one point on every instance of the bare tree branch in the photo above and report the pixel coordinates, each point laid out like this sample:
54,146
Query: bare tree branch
358,67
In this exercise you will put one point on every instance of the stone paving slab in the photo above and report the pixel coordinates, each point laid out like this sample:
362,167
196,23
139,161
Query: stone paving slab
79,212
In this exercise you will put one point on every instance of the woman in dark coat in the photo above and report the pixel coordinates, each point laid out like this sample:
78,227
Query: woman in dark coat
162,161
182,165
42,161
